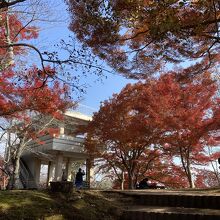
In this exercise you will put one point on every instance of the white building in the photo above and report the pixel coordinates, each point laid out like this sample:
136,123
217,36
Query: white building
57,152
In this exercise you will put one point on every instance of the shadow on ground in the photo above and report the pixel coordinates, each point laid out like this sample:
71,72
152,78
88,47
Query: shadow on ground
31,204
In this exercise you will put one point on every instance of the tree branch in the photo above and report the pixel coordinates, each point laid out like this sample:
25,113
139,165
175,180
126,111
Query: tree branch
5,4
48,60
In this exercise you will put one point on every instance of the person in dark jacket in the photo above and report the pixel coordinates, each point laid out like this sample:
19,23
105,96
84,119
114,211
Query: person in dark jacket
79,178
143,184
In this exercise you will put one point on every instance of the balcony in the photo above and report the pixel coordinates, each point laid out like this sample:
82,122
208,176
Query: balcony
63,143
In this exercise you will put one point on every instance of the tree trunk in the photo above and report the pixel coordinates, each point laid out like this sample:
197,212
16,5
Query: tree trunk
122,180
16,172
186,166
130,180
190,179
14,177
189,173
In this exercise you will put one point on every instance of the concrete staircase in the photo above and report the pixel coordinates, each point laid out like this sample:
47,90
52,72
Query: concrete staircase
26,177
171,205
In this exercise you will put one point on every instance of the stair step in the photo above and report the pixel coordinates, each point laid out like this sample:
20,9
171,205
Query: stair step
169,213
174,200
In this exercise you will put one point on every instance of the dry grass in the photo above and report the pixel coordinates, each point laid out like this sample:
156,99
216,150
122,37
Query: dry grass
29,204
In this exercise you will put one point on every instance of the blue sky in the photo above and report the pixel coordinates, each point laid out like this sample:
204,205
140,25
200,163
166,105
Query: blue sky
52,32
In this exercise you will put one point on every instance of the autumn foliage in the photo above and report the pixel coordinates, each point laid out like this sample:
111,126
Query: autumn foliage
13,31
175,115
138,37
159,128
25,87
30,97
27,92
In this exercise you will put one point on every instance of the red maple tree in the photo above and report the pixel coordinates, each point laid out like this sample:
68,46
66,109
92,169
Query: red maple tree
29,109
26,93
163,116
187,114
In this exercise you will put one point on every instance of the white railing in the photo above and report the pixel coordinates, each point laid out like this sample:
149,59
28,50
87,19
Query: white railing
67,137
68,143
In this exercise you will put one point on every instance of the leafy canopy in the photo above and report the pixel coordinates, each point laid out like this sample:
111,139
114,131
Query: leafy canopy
139,37
147,125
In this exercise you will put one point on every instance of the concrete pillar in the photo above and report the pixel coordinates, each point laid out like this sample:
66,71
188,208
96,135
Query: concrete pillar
58,169
50,172
37,172
88,171
69,169
61,130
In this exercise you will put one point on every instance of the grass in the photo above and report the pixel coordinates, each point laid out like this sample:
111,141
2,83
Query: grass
78,205
32,204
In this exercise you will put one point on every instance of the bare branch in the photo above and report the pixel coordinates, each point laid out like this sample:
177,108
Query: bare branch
48,60
26,45
2,135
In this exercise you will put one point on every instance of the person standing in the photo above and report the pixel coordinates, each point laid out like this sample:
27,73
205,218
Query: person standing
79,178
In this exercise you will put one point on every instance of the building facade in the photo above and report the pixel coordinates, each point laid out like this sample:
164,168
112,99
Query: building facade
58,153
